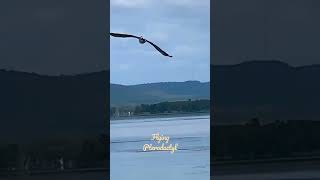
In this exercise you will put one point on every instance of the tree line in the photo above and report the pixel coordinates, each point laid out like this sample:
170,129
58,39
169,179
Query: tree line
254,140
202,105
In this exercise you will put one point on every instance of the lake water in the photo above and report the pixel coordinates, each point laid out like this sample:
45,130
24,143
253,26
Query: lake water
191,161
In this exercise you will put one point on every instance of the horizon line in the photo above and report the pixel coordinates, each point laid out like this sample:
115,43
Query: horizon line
146,83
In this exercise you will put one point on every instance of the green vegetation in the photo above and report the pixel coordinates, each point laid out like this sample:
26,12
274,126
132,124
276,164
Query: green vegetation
89,152
254,140
163,107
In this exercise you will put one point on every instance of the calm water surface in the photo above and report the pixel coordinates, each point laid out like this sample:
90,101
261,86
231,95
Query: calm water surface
191,161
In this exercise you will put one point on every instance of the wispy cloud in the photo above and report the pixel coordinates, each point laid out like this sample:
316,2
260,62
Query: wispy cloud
187,3
124,67
168,3
180,28
130,3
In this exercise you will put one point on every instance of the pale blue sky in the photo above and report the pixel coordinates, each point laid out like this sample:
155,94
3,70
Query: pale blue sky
180,27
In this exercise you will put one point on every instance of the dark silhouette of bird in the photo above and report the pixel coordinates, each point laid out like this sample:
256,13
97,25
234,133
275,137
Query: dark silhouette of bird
141,41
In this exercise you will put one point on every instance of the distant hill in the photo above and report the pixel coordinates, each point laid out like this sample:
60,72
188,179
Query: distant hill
57,105
121,95
40,106
34,106
269,90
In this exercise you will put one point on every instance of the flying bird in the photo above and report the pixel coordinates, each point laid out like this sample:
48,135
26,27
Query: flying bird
141,41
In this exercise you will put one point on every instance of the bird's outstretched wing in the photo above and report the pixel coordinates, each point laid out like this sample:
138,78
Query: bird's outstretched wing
160,50
123,35
129,35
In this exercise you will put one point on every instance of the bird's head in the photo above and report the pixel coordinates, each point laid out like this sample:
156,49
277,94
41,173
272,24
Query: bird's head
142,40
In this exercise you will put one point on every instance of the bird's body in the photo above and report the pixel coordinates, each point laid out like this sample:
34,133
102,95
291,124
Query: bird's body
141,41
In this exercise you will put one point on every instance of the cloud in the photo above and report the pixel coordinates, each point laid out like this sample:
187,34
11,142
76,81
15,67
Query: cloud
164,3
123,67
184,49
187,3
157,36
130,3
179,28
118,30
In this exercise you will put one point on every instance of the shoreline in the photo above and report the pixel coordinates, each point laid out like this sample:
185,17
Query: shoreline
162,115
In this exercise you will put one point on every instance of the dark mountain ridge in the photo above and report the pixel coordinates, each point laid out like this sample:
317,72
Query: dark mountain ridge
269,90
40,106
